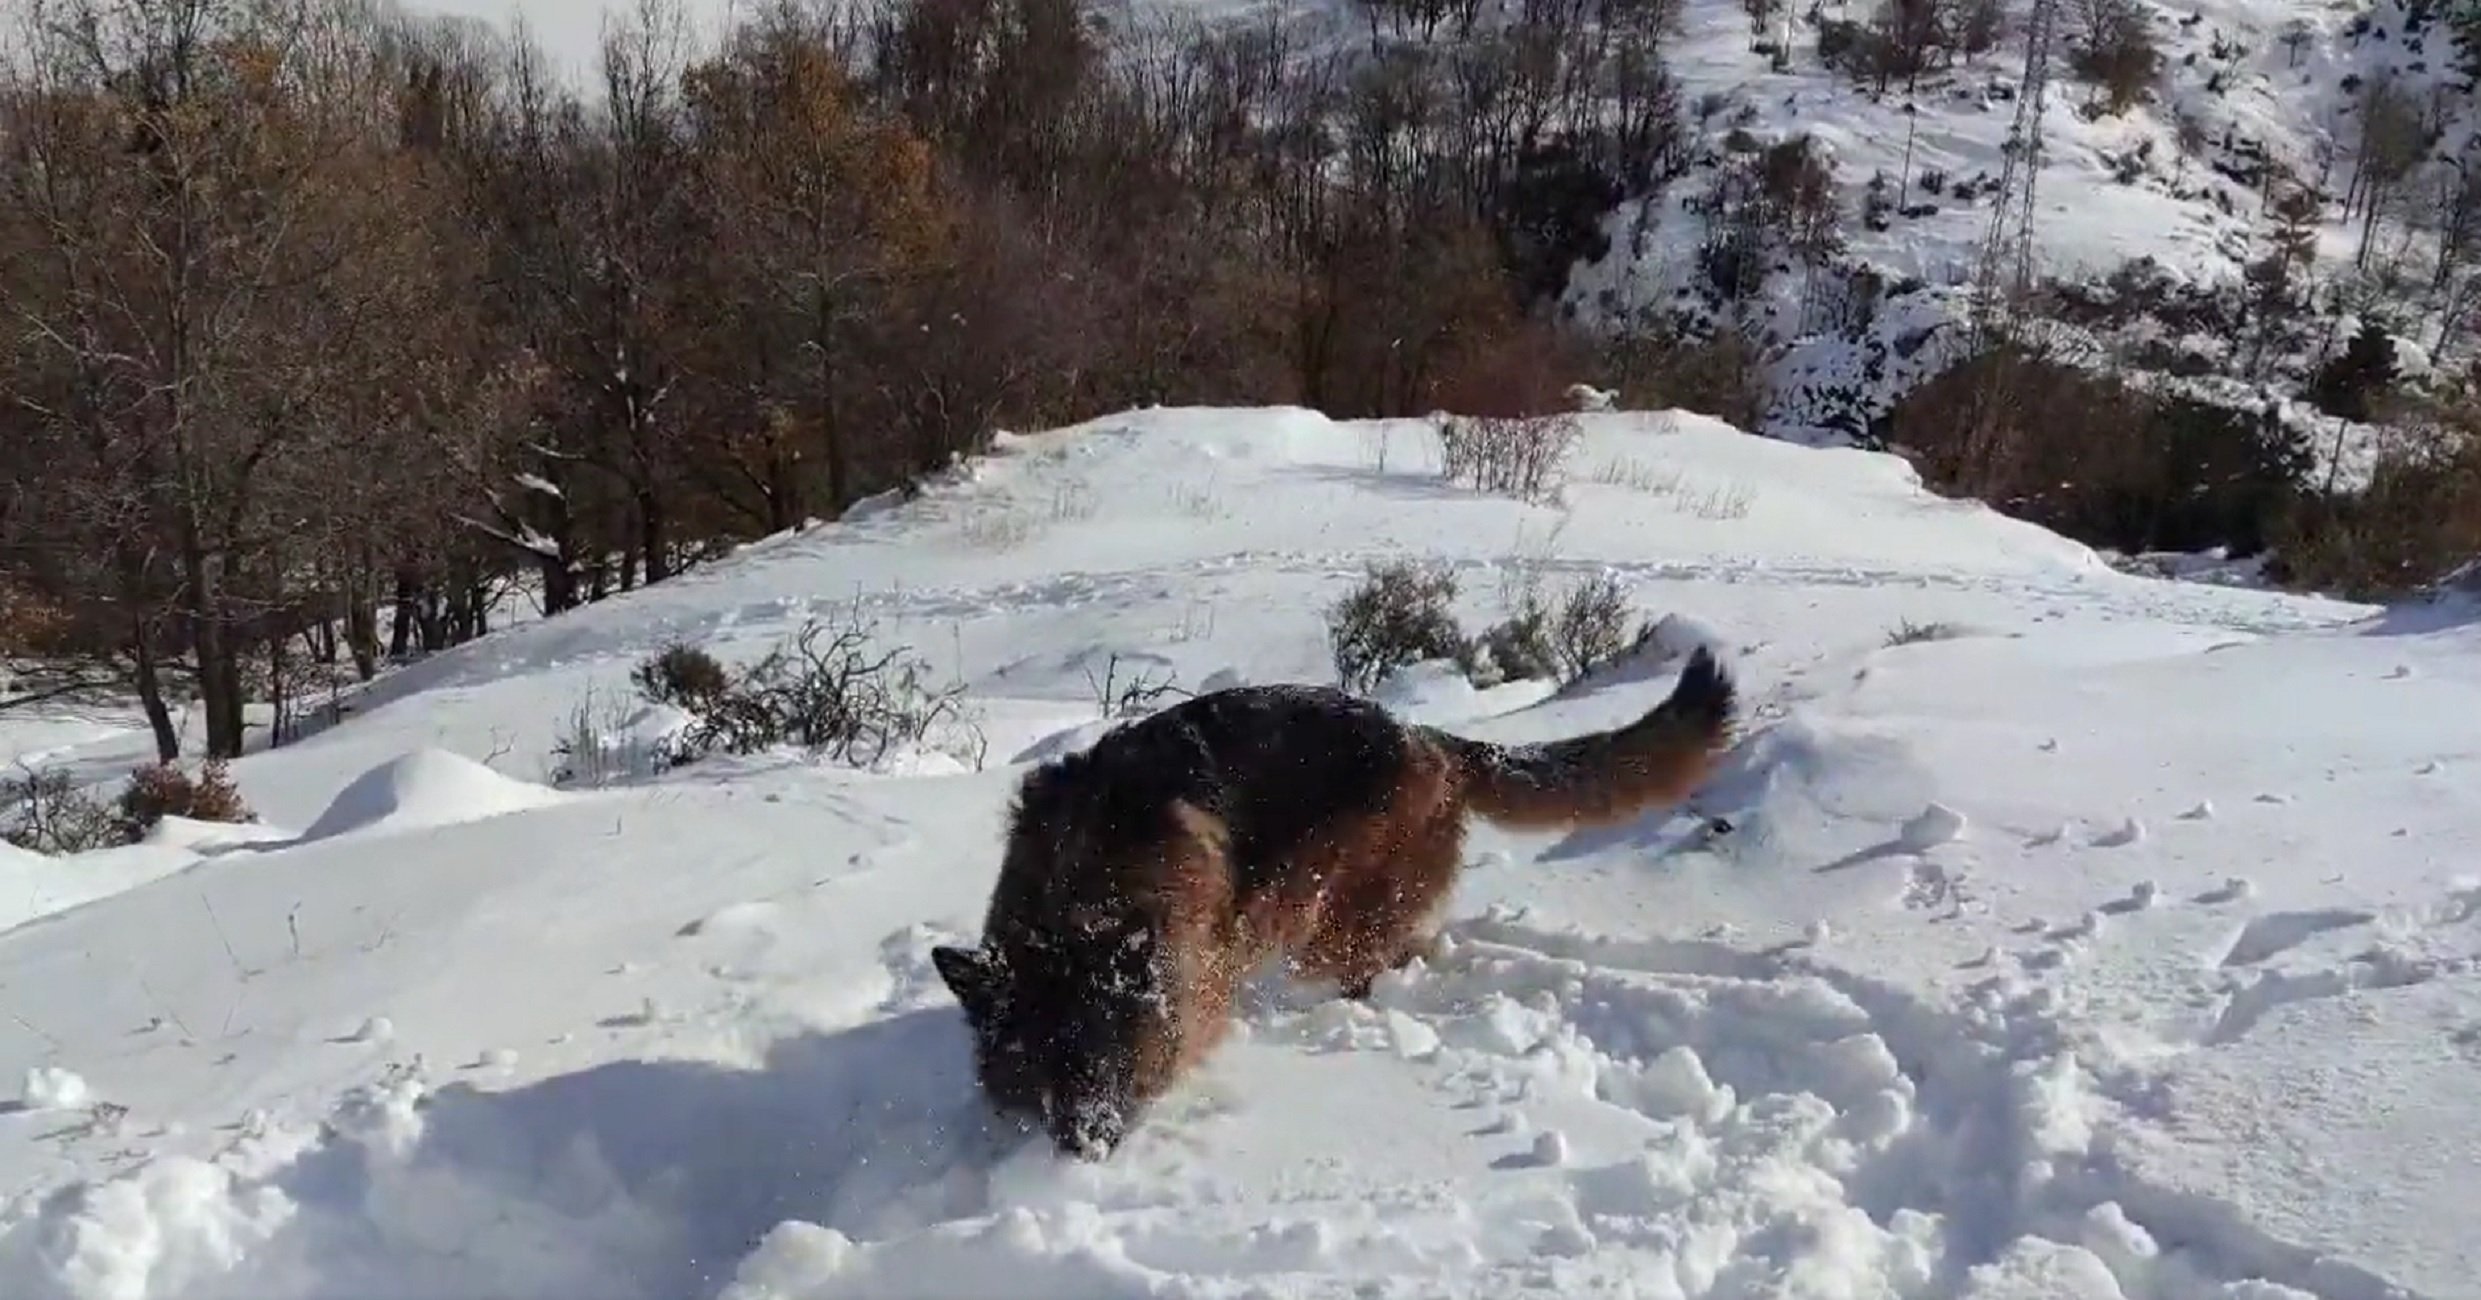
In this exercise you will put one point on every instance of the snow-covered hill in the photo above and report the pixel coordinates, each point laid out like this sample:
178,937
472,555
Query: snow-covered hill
2176,191
2095,937
2179,188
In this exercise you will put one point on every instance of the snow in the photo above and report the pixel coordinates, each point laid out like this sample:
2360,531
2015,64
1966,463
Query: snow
52,1088
423,789
1935,992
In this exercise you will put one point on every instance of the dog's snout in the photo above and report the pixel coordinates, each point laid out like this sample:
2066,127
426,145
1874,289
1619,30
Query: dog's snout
1088,1131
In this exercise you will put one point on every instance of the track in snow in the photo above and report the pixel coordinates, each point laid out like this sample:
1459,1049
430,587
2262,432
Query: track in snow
1537,1114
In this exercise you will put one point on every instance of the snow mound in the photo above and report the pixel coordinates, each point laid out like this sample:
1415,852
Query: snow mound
48,1087
423,789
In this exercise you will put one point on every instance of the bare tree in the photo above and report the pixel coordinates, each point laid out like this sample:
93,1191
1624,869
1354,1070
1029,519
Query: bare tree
2392,144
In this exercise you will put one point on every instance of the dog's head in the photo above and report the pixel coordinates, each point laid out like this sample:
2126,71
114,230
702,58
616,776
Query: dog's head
1070,1026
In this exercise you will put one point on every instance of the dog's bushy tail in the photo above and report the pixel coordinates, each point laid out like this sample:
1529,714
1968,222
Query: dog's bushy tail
1609,776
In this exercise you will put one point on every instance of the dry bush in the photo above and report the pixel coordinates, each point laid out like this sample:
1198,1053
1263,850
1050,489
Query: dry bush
2086,455
682,676
1400,614
48,812
1911,633
1724,377
163,790
2418,519
1517,648
1127,697
1508,455
1728,500
2113,47
1560,640
825,690
1592,627
1522,368
1638,476
596,749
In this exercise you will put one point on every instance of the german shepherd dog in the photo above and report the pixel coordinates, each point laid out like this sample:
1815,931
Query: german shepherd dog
1144,878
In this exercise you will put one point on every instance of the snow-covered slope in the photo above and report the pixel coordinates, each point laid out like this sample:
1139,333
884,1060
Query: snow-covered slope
2251,99
2098,937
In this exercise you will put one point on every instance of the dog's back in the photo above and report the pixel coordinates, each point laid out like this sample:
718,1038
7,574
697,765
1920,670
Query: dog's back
1262,771
1273,765
1144,877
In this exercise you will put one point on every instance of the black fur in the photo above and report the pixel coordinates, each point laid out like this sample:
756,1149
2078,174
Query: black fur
1704,698
1240,755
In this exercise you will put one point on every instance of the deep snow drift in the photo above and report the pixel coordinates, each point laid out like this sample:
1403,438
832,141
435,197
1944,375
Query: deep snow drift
2097,937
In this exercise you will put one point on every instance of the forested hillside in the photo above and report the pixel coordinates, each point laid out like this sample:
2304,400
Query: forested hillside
331,326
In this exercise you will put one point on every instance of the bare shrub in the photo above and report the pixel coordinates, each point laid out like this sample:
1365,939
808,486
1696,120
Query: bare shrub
1516,649
163,790
1116,696
682,676
1524,368
1592,627
34,624
1561,640
1072,501
827,691
2087,455
1514,456
1718,502
2114,48
1638,476
1911,633
48,812
1721,502
2418,518
1724,376
1398,615
596,748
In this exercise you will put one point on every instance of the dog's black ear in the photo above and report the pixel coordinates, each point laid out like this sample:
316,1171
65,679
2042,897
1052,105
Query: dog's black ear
970,974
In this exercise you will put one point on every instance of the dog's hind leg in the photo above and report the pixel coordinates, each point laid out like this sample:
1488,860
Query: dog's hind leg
1388,912
1431,865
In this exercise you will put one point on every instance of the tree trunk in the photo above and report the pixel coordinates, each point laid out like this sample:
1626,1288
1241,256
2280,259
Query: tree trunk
150,683
280,721
830,428
400,637
434,621
650,530
219,678
362,631
783,495
559,584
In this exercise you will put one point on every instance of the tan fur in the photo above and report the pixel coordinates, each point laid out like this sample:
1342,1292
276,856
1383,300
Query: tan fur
1366,897
1654,764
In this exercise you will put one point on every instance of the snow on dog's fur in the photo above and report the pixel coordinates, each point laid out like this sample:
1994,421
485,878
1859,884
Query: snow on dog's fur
1143,879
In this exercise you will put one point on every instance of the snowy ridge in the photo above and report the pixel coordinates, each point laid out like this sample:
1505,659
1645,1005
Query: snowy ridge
1975,974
